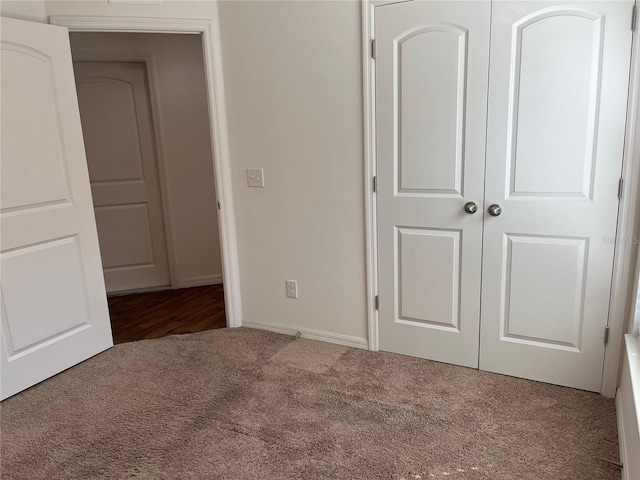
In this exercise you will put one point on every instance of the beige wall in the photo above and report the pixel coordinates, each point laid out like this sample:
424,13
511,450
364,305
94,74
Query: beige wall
293,96
32,10
293,87
184,120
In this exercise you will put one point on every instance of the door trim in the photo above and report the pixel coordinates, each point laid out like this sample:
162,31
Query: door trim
212,56
371,227
158,130
623,282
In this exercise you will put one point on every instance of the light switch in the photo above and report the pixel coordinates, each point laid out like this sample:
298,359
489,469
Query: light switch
255,177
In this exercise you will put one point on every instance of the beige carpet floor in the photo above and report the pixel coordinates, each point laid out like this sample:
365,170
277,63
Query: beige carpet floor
249,404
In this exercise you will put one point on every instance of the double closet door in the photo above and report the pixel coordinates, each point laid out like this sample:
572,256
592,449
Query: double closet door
499,143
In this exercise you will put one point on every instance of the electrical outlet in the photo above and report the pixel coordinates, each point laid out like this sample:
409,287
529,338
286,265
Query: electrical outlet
292,288
255,177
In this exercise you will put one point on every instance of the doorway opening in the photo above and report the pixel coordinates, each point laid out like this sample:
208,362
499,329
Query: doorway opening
144,113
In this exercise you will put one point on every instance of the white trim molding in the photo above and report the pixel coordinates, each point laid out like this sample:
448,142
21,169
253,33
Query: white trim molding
622,293
210,33
368,75
623,297
311,334
200,281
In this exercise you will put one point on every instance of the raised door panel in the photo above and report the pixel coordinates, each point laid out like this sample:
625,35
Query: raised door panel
114,102
33,164
430,70
543,291
131,222
553,102
428,278
64,303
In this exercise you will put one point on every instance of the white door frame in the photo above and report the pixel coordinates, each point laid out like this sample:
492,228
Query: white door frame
154,101
219,140
623,281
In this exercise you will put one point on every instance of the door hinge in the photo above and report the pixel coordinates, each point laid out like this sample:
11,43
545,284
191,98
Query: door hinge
377,302
620,185
606,335
218,205
375,184
634,18
373,49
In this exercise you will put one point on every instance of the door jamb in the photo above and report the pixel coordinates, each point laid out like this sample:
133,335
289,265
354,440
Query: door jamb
212,57
368,93
623,280
622,302
165,199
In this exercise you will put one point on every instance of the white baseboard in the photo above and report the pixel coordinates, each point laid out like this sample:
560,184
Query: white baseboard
200,281
340,339
118,293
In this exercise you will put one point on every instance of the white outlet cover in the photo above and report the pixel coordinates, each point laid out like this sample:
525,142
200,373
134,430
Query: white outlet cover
255,177
292,288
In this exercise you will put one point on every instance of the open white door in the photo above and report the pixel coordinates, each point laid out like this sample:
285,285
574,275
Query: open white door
54,309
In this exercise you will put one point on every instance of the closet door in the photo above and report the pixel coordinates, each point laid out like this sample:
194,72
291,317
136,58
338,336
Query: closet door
431,93
556,121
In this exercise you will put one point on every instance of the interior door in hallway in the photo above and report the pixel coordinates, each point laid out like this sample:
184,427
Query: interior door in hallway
432,63
556,123
117,122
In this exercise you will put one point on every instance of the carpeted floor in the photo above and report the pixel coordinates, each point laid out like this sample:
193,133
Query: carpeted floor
249,404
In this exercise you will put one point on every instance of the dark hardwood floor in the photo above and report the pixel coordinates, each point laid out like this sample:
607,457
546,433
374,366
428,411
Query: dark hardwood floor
142,316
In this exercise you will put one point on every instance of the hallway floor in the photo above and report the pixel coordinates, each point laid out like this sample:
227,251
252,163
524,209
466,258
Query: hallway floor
143,316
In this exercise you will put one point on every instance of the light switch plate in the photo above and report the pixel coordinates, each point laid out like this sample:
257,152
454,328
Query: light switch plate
255,177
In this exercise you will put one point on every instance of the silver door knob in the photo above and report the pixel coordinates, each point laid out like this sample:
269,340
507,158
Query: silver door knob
470,207
495,210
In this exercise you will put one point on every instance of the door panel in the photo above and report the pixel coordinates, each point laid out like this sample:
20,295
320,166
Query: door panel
430,149
544,281
556,120
118,129
64,303
47,184
428,257
124,221
114,100
554,89
54,308
430,63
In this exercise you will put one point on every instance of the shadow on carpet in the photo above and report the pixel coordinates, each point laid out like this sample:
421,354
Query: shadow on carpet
250,404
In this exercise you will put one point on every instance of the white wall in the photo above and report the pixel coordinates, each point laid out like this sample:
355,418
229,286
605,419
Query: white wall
184,122
293,89
33,11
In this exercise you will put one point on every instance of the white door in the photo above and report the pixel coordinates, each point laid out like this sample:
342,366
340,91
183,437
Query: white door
117,122
558,79
556,124
431,94
54,307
